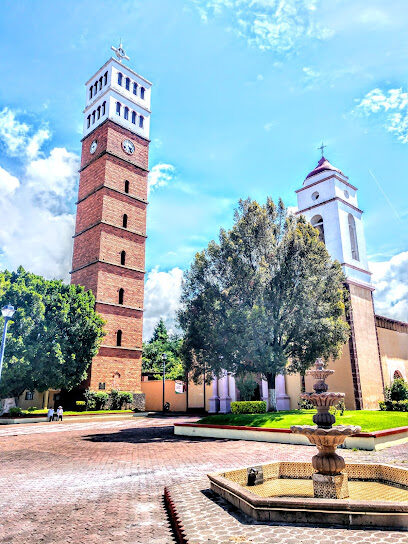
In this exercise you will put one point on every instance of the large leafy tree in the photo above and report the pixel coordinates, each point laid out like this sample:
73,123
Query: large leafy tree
53,336
161,342
266,298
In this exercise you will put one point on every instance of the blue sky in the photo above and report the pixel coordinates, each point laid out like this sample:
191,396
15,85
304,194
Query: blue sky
244,92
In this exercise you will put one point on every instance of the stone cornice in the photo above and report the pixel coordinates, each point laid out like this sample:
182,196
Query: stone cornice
120,347
357,268
111,189
111,154
326,202
110,225
124,267
325,179
119,305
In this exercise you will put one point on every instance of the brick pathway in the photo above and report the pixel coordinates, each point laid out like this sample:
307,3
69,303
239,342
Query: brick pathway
102,482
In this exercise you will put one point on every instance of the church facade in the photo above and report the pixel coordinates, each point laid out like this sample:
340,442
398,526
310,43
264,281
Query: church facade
377,351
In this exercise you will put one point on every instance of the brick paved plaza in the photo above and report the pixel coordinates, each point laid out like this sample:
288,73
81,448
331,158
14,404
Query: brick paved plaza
99,482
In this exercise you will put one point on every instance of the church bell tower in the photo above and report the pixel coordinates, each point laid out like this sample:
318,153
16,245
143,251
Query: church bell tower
110,232
329,202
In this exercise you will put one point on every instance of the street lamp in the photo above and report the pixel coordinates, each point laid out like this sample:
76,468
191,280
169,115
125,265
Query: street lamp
7,312
164,359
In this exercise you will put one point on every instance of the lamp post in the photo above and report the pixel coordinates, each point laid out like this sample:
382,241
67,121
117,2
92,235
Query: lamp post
164,359
7,312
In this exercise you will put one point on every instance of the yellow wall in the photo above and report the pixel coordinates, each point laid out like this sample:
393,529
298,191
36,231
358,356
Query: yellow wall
153,390
38,399
394,353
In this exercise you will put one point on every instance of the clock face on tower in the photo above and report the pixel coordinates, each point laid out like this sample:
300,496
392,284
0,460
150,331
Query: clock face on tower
93,147
128,147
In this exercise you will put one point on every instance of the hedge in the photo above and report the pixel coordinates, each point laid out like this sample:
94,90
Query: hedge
394,405
248,407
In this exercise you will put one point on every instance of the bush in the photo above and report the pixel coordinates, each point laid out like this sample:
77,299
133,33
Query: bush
32,409
246,385
394,405
339,407
14,411
118,399
398,390
248,407
305,404
80,405
96,400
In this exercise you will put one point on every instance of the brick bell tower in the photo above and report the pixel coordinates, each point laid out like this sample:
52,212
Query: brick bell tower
110,232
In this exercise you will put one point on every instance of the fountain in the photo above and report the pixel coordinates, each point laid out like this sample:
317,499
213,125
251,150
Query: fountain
329,480
325,491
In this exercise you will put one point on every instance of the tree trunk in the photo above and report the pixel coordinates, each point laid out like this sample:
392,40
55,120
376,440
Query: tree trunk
271,392
302,383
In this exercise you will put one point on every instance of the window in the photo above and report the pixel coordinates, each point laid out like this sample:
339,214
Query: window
134,117
134,88
126,186
317,223
105,78
127,84
90,92
102,385
124,221
99,112
315,195
122,257
353,237
119,338
120,77
142,92
121,295
89,121
95,87
397,376
29,395
141,119
104,108
118,108
100,83
93,117
126,113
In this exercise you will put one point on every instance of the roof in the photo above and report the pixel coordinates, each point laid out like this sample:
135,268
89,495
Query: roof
323,165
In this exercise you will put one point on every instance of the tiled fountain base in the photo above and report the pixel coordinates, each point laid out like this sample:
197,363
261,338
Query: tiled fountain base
202,517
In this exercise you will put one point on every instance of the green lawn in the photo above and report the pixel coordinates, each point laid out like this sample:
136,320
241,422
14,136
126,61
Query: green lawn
367,419
74,413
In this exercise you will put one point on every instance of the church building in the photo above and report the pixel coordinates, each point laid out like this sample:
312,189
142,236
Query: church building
377,351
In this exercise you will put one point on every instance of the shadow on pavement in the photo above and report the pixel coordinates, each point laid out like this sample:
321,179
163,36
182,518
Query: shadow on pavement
145,435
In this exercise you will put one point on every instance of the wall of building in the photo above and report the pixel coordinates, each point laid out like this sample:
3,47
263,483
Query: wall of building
393,341
153,390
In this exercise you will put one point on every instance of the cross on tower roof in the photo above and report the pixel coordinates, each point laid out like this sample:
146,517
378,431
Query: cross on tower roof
120,52
322,148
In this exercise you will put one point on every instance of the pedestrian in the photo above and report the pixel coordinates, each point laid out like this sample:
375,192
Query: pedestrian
60,411
50,414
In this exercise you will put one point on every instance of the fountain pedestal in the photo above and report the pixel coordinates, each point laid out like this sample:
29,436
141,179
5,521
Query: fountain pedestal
328,481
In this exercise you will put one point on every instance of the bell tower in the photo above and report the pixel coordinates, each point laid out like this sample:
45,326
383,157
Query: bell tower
110,232
329,202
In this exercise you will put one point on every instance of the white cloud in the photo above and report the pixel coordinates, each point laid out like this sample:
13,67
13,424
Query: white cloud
310,73
269,126
276,25
36,209
18,137
390,279
390,107
162,299
160,175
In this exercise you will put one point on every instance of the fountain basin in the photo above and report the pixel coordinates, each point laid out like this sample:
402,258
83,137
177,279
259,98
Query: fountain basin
284,493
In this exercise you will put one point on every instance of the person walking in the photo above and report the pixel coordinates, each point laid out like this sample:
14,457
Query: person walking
50,414
60,411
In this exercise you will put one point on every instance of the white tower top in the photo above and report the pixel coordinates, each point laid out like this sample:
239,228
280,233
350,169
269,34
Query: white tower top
329,201
118,93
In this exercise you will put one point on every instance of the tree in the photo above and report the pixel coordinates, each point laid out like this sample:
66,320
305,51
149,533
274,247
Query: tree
267,294
161,342
54,334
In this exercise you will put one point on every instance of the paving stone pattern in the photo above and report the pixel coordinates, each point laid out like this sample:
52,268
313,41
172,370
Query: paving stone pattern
103,482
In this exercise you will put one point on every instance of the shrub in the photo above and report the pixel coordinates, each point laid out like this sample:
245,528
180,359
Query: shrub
246,385
96,400
394,405
248,407
305,404
398,390
120,398
80,405
14,411
32,409
339,407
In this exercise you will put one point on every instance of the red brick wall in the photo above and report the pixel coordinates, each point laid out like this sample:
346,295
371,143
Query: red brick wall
104,241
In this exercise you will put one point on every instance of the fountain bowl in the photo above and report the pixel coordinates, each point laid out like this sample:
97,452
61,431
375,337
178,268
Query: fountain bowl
284,492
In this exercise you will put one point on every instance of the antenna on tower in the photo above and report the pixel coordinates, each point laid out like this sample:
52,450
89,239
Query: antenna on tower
120,52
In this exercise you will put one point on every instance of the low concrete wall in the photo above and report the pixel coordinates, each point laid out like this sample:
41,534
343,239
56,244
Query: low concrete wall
362,441
10,421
